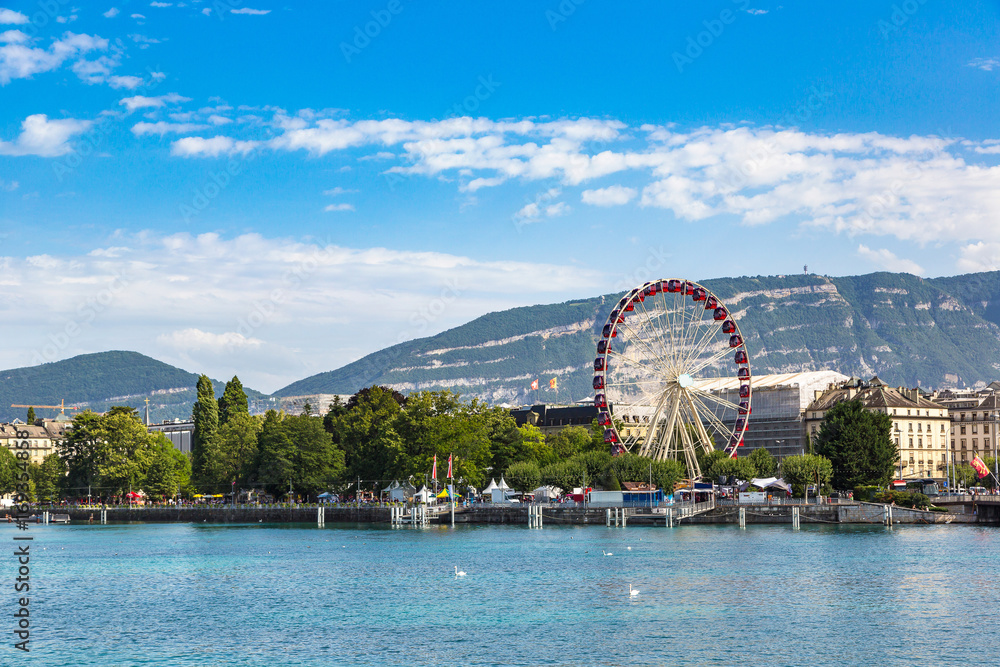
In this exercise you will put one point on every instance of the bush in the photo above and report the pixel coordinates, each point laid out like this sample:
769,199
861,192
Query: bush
910,499
865,493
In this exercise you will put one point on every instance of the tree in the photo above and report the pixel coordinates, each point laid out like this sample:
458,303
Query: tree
237,448
31,415
764,463
233,401
569,441
297,452
9,470
47,477
858,443
275,455
805,469
565,475
82,448
126,453
205,415
524,476
533,446
169,469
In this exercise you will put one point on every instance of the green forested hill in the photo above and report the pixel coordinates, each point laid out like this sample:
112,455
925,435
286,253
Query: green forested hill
98,381
932,333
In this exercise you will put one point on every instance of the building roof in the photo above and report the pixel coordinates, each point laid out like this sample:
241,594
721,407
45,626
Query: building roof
807,382
873,396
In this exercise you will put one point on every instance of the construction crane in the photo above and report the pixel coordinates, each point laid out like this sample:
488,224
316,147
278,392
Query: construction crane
62,407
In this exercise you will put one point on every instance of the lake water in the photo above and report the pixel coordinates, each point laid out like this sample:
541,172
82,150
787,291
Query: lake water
181,594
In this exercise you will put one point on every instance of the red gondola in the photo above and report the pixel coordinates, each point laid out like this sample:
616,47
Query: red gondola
744,391
735,340
600,401
741,424
599,364
616,316
719,314
604,419
688,288
743,373
727,327
711,303
602,347
745,408
630,306
598,382
699,294
610,436
651,289
608,331
675,285
740,357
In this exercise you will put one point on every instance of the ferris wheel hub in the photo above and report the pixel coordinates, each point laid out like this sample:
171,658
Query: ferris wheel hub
685,380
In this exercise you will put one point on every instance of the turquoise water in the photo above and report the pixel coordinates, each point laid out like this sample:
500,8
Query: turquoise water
181,594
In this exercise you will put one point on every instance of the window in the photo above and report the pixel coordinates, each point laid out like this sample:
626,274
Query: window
920,428
897,427
962,429
911,427
942,428
907,412
963,445
975,428
920,443
986,429
911,443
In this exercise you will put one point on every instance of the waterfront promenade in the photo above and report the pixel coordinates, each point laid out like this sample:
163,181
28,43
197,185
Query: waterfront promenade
964,510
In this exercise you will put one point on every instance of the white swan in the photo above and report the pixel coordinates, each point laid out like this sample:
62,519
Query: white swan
606,553
459,573
629,548
632,592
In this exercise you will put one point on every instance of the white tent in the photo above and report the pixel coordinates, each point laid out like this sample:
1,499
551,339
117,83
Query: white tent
771,483
547,493
503,484
489,489
425,496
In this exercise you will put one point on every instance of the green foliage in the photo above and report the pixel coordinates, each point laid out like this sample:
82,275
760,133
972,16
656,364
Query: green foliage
866,492
296,452
233,401
965,476
569,442
236,448
47,477
805,469
9,470
764,464
858,443
534,447
565,475
205,462
523,476
31,415
169,471
912,499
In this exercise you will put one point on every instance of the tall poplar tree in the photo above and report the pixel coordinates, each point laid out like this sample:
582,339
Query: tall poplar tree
31,415
233,401
205,416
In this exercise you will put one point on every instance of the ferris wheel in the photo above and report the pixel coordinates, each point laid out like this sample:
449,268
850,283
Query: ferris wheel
672,374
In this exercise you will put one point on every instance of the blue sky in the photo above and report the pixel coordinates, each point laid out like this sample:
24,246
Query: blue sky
277,189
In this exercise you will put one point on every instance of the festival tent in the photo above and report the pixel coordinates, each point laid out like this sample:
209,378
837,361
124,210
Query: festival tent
425,495
489,489
547,493
771,483
444,495
503,485
399,493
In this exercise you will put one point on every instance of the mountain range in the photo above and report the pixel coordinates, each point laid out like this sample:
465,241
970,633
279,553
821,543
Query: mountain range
933,333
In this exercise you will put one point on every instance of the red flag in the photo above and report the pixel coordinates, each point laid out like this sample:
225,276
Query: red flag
434,470
553,383
449,466
980,467
534,385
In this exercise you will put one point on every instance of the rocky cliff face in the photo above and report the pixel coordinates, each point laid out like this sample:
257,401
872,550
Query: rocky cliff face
932,333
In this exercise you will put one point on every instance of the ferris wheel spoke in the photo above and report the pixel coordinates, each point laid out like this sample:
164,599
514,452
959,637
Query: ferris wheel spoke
707,339
640,341
715,398
708,361
718,425
699,422
664,350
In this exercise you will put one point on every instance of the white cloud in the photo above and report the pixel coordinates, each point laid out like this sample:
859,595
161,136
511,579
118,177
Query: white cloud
615,195
8,186
162,127
985,64
211,147
111,13
189,340
249,11
757,12
339,207
262,308
10,17
161,4
980,256
13,37
127,82
216,119
43,137
887,260
20,61
207,11
143,102
337,191
137,17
